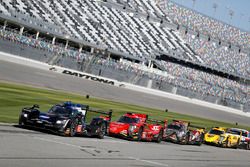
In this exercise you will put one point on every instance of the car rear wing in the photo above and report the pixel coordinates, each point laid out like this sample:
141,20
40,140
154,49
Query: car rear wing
197,128
186,123
165,122
222,128
103,114
35,106
143,117
138,114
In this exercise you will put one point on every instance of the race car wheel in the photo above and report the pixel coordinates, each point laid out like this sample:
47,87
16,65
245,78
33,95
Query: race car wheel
237,144
139,135
21,122
159,138
248,146
106,128
226,143
199,143
102,131
202,138
177,138
72,130
187,138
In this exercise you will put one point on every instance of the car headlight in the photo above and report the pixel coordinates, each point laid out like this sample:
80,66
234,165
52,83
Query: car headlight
132,128
25,115
60,121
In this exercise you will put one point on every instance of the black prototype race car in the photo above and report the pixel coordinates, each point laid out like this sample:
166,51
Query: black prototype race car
183,133
67,119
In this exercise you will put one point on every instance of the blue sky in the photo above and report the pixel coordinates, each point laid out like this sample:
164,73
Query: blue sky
240,8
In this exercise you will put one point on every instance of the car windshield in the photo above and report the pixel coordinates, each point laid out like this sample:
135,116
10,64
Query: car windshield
125,119
58,110
176,127
216,132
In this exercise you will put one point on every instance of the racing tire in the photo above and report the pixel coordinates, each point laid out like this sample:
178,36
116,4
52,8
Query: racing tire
248,146
106,128
202,138
186,140
226,143
160,136
21,123
69,131
102,131
177,139
139,135
237,145
108,133
72,130
199,143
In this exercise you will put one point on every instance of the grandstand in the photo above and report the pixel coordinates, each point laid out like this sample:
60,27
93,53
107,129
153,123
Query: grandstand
129,40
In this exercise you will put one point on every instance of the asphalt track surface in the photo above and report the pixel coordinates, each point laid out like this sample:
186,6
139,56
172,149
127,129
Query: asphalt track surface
29,148
48,79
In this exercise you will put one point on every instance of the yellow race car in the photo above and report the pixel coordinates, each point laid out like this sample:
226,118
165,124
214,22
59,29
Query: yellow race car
213,136
232,138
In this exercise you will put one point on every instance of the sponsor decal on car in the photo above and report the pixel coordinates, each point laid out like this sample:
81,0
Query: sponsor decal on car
124,132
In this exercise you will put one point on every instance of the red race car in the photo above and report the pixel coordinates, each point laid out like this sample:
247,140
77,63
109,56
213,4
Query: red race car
137,127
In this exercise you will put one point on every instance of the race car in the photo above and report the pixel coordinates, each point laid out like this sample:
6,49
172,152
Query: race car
196,135
154,130
98,125
138,127
182,132
67,119
213,135
246,143
234,138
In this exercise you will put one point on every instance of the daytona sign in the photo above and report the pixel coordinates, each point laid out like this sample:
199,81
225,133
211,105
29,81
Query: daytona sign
80,75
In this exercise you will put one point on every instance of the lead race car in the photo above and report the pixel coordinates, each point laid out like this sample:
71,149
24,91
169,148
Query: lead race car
67,119
138,127
182,132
